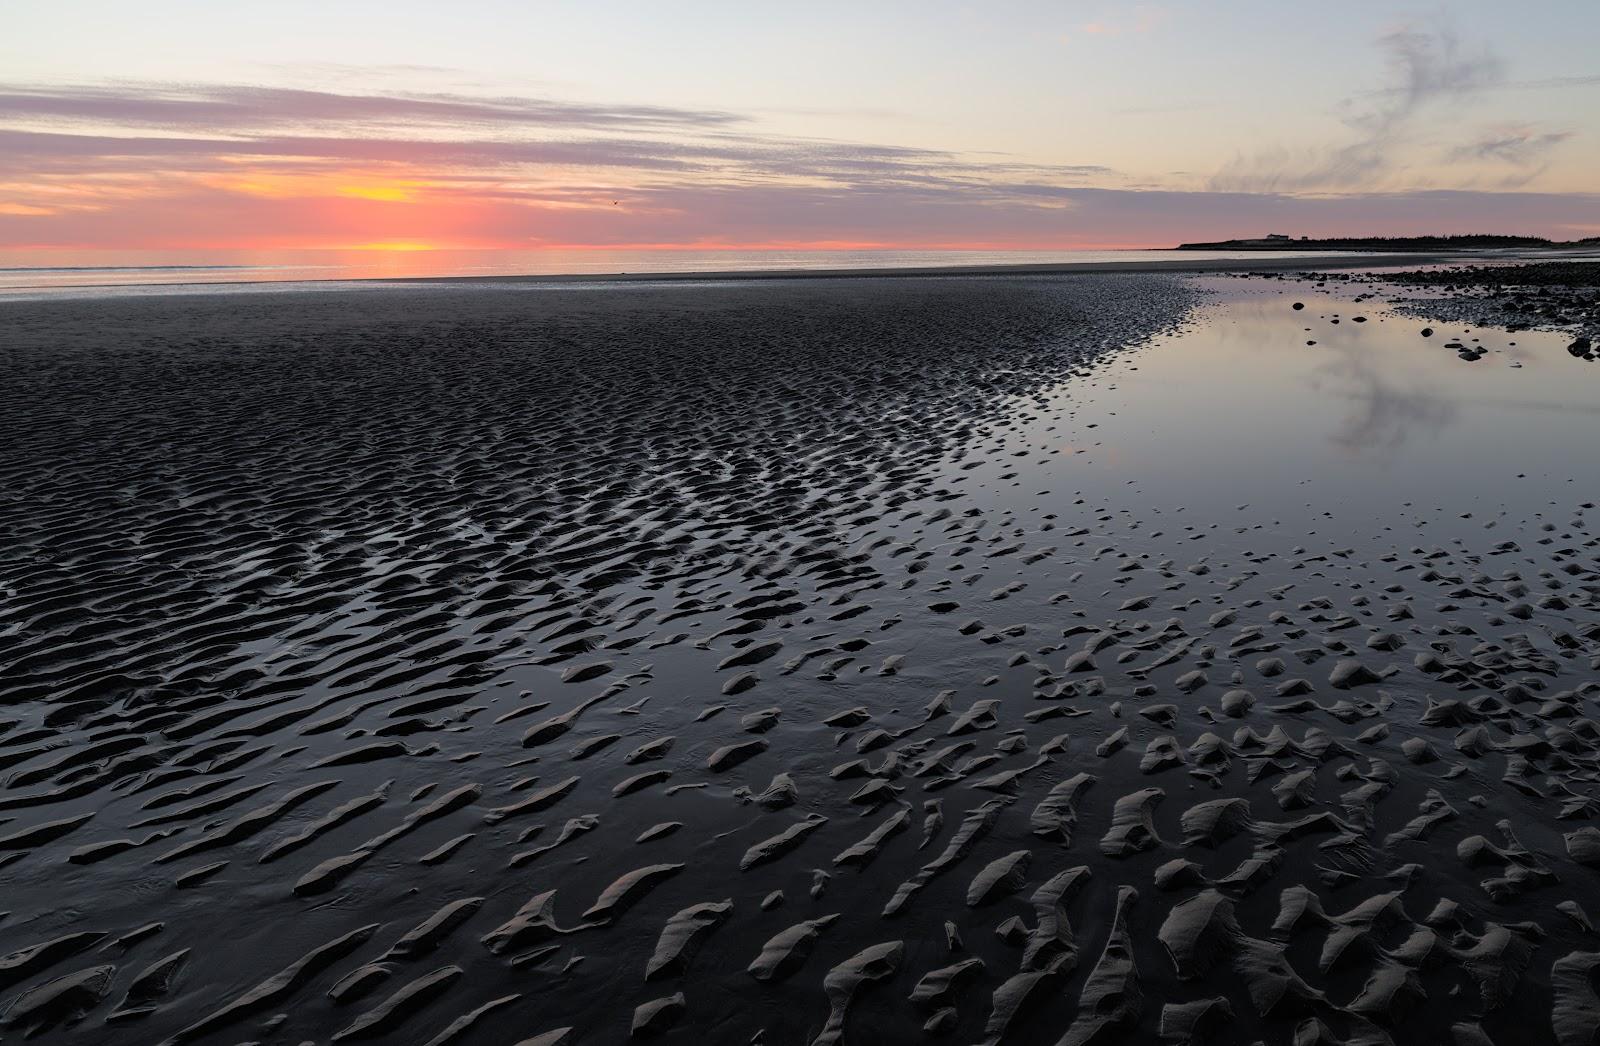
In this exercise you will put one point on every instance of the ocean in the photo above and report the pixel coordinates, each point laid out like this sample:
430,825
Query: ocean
77,271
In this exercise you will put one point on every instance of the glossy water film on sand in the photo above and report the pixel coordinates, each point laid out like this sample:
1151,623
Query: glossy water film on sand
1076,659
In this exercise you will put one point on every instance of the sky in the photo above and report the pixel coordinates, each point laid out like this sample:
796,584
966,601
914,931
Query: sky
344,124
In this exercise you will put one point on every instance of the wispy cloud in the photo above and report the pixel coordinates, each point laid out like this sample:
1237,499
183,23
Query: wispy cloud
1428,66
199,128
80,148
1555,82
1512,156
1520,146
231,166
233,108
1427,70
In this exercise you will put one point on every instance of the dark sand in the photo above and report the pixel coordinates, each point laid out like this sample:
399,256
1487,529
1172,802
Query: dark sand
1179,262
1055,659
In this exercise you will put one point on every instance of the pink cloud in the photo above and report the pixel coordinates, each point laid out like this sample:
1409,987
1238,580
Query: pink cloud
231,167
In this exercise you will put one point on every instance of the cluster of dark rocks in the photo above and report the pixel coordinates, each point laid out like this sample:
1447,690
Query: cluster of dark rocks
1534,296
1541,294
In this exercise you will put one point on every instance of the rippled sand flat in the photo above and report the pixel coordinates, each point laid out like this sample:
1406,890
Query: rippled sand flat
1069,659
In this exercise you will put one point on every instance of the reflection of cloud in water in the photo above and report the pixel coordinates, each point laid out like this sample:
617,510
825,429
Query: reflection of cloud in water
1384,415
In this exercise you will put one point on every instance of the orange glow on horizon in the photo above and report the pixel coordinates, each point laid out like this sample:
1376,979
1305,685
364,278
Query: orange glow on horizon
288,206
416,246
390,245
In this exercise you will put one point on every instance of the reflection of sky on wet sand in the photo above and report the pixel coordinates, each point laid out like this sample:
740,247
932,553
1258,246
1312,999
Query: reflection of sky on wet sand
1239,409
1385,414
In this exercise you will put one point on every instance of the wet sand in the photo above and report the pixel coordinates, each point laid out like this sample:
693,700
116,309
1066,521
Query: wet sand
1039,659
1175,262
1178,263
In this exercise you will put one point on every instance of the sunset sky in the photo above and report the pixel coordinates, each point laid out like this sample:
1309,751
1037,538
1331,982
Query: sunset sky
206,126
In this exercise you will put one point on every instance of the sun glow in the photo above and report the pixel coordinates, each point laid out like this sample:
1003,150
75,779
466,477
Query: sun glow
392,192
352,185
395,245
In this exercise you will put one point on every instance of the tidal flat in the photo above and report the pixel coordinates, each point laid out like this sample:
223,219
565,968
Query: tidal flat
1072,658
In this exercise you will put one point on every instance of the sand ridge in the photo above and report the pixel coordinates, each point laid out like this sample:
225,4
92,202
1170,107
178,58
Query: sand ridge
599,664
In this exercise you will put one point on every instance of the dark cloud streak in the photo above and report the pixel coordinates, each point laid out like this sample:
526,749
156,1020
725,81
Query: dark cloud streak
233,108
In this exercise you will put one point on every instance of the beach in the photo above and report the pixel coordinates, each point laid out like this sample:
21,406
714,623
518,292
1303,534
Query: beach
325,270
1025,656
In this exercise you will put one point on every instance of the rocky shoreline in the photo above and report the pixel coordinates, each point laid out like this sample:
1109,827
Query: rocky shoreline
1550,295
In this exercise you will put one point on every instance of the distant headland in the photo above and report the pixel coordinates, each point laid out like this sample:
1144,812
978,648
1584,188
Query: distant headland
1280,242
